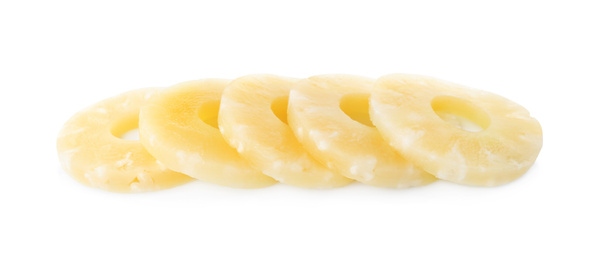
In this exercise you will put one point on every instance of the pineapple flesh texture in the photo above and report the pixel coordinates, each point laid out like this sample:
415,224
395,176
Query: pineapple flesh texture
179,127
349,144
421,118
252,119
91,152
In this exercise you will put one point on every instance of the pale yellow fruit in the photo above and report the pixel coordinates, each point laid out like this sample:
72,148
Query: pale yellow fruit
252,119
347,143
179,127
427,120
90,151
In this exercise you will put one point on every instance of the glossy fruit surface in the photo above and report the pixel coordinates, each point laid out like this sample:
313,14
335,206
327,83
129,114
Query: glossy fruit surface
456,133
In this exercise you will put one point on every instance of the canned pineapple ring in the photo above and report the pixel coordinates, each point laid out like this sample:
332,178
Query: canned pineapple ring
179,127
252,118
427,120
329,115
90,151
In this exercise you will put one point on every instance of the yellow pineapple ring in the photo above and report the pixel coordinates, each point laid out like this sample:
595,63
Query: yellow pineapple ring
352,146
179,127
92,154
252,119
422,118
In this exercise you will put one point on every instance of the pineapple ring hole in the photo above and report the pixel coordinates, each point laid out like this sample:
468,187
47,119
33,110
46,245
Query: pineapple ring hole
280,108
208,113
356,107
126,128
132,135
460,113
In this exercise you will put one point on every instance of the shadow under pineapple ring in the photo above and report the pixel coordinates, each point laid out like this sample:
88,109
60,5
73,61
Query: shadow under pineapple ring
458,134
91,152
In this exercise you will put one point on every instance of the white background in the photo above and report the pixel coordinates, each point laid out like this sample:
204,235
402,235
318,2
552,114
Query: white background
57,57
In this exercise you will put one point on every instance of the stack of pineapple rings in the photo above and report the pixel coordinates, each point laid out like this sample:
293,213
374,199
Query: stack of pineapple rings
322,132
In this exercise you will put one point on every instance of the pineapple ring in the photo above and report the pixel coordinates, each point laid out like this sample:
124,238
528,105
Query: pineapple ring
252,120
355,149
412,113
179,127
92,154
